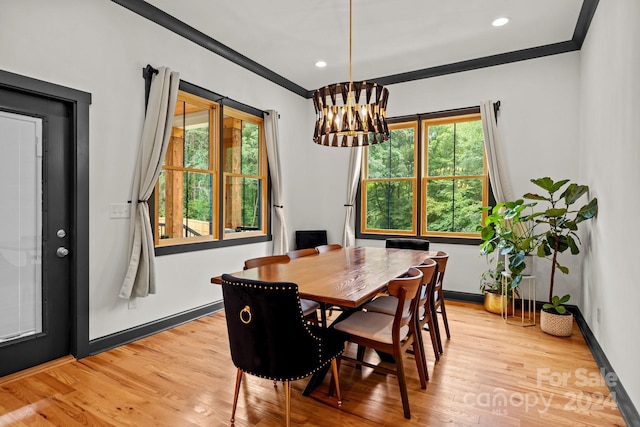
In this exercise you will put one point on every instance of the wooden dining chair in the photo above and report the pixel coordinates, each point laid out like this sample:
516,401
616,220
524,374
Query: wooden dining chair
392,335
299,253
309,307
424,317
269,338
265,260
328,248
438,297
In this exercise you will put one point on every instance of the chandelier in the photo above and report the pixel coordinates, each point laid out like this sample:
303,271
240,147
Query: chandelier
350,114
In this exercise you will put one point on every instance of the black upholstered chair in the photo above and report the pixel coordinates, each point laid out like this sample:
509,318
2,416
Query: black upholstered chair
310,238
309,307
269,337
407,243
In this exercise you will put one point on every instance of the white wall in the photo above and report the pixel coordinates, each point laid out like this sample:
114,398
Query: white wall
538,123
610,151
101,48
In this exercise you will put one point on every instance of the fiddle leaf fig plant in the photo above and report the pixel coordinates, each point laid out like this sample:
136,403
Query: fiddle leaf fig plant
560,221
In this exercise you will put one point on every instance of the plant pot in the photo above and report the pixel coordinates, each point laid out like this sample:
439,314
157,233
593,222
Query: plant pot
493,302
560,325
528,271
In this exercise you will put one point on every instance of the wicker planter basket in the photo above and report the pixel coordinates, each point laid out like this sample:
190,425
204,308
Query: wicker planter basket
556,324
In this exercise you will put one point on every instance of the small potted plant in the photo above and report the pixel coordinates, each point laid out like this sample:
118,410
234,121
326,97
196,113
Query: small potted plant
560,224
491,285
560,323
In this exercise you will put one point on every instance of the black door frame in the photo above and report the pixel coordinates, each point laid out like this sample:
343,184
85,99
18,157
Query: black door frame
79,103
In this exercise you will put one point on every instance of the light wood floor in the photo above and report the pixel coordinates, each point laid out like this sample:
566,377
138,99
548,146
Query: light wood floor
491,374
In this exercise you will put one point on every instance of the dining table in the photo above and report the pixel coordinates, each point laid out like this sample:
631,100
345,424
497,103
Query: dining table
348,277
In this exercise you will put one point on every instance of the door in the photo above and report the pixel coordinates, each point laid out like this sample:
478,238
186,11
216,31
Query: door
35,252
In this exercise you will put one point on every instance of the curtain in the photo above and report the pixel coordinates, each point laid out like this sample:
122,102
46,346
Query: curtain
279,224
355,163
498,174
140,280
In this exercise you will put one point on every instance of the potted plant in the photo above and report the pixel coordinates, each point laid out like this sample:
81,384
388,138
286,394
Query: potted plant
560,224
509,230
496,298
556,320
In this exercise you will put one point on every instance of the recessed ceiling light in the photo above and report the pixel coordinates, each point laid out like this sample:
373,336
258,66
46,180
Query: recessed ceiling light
321,64
499,22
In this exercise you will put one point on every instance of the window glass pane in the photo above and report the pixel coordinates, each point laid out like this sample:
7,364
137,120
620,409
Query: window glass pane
185,206
441,150
243,204
389,205
250,148
453,205
469,148
189,143
393,158
241,146
467,201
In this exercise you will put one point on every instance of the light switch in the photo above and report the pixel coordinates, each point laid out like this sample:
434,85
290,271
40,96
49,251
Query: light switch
119,210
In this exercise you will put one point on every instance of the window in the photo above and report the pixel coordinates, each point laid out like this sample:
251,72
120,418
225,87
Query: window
429,179
194,202
244,174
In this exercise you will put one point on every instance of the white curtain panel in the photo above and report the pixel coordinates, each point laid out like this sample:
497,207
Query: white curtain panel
140,278
279,223
355,163
498,174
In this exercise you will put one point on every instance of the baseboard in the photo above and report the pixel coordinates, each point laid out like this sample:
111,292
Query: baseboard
464,297
129,335
625,405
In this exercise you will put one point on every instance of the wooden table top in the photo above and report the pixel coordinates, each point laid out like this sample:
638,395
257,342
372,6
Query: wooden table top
347,277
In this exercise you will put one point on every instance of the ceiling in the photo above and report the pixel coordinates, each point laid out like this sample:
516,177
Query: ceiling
390,38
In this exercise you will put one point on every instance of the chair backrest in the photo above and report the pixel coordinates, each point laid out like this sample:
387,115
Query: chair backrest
268,335
405,289
441,258
429,270
407,243
265,260
327,248
302,252
310,238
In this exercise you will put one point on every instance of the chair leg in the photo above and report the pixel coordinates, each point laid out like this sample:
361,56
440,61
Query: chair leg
235,396
436,327
359,356
421,363
434,338
421,358
443,311
287,402
402,382
336,381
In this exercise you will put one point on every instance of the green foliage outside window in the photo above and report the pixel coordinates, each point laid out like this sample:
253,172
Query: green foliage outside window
390,202
455,150
452,182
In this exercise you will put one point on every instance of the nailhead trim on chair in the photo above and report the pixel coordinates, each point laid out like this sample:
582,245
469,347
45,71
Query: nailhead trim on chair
288,287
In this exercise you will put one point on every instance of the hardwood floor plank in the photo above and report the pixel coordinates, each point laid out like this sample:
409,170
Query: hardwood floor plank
491,374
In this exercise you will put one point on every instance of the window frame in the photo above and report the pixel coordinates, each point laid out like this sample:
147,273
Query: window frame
216,152
263,174
414,180
420,197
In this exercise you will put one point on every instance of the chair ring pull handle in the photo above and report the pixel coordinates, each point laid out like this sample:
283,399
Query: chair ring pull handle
245,315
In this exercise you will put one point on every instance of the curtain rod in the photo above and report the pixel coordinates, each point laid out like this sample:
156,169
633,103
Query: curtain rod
149,70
